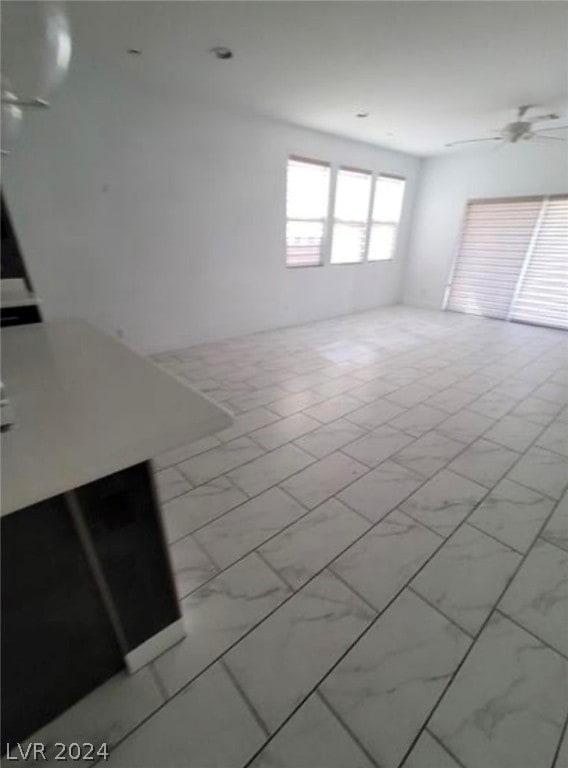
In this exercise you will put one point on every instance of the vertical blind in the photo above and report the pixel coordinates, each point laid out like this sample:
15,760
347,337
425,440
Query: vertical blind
307,200
350,216
513,261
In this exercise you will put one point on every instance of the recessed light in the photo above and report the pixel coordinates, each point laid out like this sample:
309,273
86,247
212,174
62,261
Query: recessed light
134,51
362,114
221,52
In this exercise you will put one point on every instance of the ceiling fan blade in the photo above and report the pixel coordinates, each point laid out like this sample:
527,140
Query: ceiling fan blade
552,128
523,110
548,138
472,141
540,118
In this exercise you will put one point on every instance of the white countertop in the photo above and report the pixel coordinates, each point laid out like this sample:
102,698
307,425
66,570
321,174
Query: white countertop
86,406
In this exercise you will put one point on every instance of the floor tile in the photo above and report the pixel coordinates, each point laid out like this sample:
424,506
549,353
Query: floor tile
378,445
452,399
329,438
285,430
466,577
387,557
428,453
493,404
410,395
556,392
418,420
429,753
375,414
332,408
444,501
244,423
514,432
313,542
537,410
513,514
555,438
381,490
507,704
323,479
270,469
206,725
372,390
543,471
170,483
217,615
484,462
556,530
191,566
186,513
217,461
538,595
290,404
386,686
246,527
312,738
465,426
177,455
107,714
279,663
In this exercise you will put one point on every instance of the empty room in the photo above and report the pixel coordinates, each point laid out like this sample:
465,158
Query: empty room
284,447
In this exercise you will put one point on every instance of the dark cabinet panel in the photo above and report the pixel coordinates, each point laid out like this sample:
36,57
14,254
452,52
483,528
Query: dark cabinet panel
123,522
57,641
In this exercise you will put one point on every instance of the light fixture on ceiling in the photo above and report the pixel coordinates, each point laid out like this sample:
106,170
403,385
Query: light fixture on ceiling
221,52
134,51
362,114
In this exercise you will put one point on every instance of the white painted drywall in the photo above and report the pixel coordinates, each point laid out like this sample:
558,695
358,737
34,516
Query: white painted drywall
446,183
166,218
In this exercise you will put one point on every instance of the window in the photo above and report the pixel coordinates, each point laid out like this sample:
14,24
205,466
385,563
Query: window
366,214
307,201
513,261
351,216
387,209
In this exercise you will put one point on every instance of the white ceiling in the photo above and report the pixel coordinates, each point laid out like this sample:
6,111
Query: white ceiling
427,72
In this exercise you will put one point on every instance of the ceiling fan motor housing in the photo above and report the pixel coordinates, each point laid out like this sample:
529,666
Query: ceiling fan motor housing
517,130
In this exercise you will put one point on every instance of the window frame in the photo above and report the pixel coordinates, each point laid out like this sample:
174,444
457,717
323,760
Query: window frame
291,156
394,224
329,221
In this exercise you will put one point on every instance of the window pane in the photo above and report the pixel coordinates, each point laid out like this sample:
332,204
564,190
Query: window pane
389,194
348,243
307,190
304,242
352,196
382,242
351,212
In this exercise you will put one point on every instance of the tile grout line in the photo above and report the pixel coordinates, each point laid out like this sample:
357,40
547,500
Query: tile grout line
444,747
550,647
249,705
318,694
563,735
438,610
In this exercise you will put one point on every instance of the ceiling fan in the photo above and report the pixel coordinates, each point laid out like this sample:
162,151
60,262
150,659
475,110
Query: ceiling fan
520,129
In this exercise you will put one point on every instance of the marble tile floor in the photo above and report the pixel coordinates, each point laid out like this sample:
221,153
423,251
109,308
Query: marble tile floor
372,562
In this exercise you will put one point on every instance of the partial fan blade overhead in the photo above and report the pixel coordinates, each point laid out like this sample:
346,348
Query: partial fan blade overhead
523,110
548,138
552,128
540,118
473,141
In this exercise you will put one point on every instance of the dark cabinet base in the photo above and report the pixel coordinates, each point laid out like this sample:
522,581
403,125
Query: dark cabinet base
85,579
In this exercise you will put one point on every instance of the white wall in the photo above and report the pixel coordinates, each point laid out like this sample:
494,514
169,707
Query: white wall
446,183
166,219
